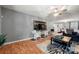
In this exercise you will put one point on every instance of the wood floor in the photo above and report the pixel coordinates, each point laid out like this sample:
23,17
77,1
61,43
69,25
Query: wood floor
22,47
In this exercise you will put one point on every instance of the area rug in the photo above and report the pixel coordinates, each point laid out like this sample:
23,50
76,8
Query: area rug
43,46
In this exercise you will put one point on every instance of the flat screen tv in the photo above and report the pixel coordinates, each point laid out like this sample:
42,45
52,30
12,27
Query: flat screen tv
39,25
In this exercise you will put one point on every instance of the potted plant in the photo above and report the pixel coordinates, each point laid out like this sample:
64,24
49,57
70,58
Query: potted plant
2,39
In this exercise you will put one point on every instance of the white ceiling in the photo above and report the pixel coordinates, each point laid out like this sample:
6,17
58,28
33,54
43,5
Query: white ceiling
39,10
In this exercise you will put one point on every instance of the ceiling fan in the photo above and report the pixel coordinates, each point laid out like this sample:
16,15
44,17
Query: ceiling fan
57,10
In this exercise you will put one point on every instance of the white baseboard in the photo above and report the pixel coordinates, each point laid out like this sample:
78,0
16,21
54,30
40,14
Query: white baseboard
16,41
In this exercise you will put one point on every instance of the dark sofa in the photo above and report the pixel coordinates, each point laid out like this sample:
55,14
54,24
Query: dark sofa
75,36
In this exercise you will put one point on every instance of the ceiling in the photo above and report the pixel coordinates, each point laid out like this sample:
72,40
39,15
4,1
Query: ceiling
39,10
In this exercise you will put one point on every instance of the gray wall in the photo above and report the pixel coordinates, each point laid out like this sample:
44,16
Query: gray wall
0,19
17,25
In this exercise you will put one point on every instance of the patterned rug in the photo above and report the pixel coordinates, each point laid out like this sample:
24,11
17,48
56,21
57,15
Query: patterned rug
43,46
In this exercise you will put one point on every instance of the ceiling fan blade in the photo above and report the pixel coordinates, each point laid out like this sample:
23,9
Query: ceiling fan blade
64,10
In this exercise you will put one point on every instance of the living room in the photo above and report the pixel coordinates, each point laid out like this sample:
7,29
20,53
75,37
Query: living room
39,29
